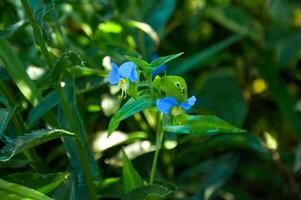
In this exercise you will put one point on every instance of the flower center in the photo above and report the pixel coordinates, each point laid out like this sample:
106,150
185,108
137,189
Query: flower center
176,110
124,85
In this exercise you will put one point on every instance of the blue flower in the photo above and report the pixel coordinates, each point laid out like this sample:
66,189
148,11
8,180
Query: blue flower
126,71
160,69
165,105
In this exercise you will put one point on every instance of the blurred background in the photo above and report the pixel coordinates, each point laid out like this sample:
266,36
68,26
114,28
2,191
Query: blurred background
241,60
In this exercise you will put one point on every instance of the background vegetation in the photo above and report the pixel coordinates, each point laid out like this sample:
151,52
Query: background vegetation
241,60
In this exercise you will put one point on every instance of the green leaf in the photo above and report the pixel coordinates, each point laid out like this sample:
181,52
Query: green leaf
200,125
6,33
156,191
12,191
5,116
70,94
44,106
199,59
131,178
21,78
18,73
131,107
43,183
27,141
162,60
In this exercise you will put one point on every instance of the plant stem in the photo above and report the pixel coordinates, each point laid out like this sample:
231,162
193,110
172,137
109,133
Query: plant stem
37,32
159,139
67,111
81,154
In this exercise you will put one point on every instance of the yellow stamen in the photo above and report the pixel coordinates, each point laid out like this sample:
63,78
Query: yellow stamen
124,85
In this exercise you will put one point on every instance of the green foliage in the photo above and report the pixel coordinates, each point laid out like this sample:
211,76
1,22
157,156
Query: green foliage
29,140
43,183
5,116
200,125
131,107
220,121
12,191
131,178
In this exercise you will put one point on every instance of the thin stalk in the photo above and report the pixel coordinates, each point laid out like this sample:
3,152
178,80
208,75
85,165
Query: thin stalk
159,139
67,111
82,156
37,32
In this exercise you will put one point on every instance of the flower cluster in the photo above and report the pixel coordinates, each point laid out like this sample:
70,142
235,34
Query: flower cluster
127,73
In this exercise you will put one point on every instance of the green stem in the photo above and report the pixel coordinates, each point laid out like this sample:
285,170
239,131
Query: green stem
159,139
37,32
82,156
67,111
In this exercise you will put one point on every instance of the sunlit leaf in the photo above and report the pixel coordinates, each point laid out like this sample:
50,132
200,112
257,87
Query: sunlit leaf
12,191
201,125
18,73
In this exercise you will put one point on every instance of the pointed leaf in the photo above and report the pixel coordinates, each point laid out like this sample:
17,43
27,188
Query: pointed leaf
44,106
201,125
162,60
27,141
41,182
131,178
5,116
12,191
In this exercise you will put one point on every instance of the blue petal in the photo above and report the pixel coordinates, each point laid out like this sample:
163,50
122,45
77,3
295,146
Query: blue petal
128,70
113,76
164,105
134,75
185,106
190,102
